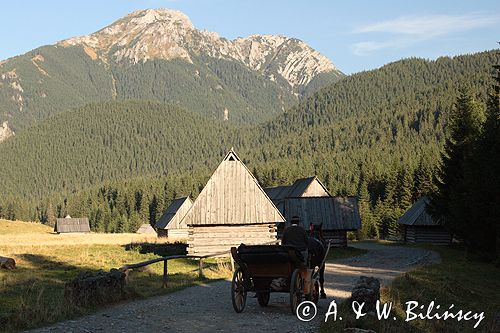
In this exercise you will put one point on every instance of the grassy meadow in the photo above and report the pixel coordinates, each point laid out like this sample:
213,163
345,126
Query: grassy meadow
33,294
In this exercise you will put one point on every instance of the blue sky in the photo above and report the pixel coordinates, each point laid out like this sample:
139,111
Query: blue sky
355,35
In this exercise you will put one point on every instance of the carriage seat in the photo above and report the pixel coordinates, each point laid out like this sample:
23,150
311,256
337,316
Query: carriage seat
261,254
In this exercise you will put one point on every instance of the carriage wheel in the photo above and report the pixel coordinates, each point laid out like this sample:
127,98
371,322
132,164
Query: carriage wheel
238,292
296,290
263,298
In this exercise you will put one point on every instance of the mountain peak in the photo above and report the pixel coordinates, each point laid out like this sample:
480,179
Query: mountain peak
169,34
170,16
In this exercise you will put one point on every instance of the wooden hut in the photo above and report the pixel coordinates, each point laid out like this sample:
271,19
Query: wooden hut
69,224
169,224
305,187
231,209
420,227
336,214
146,229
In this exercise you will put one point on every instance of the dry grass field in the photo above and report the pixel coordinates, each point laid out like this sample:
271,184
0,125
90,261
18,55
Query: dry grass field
33,294
28,233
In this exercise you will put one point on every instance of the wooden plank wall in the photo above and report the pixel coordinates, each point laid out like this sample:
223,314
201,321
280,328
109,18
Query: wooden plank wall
315,190
426,234
232,196
205,240
177,220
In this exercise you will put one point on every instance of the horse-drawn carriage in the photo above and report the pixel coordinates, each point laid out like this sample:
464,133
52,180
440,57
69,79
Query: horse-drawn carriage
264,269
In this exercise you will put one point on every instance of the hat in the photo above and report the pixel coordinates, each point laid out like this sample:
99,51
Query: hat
295,220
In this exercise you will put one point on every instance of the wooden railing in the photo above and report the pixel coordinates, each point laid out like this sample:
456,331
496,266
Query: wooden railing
165,264
187,256
182,256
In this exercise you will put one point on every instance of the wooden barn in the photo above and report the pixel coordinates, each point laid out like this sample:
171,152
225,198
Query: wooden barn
336,214
305,187
420,227
146,229
169,224
69,224
231,209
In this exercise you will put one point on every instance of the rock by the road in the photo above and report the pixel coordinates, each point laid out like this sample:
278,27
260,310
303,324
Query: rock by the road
367,291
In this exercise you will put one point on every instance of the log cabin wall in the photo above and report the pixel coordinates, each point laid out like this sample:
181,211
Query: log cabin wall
427,234
206,240
177,234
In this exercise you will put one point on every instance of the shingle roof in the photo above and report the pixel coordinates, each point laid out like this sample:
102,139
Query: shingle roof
417,214
172,210
279,193
335,213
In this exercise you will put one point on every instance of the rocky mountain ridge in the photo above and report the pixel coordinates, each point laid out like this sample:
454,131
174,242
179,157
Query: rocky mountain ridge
158,55
169,34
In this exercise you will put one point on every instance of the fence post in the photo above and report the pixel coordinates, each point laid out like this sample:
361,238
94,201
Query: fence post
232,263
200,269
165,273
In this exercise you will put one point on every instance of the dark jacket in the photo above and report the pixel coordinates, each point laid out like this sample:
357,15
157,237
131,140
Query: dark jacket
295,236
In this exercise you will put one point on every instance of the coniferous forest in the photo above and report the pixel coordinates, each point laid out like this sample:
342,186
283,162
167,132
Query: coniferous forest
384,135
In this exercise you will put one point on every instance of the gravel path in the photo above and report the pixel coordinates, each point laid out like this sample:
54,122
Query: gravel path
208,308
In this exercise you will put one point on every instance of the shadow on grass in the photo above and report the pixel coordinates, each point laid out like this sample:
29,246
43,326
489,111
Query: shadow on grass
33,294
159,249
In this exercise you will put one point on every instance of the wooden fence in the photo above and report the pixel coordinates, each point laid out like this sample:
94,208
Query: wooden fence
200,262
182,256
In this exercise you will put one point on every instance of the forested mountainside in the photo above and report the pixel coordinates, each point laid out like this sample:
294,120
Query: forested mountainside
159,55
376,134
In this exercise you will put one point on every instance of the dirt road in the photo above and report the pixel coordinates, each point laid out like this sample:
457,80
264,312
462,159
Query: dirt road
208,308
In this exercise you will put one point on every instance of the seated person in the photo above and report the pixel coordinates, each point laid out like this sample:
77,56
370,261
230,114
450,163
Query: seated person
296,236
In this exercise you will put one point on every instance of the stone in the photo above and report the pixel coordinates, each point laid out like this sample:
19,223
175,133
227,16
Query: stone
95,288
367,291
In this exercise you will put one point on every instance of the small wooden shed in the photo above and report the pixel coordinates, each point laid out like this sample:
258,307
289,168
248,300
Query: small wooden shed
69,224
169,224
231,209
420,227
304,187
336,214
146,229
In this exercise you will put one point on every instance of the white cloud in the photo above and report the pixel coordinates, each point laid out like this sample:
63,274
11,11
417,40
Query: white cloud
408,30
363,48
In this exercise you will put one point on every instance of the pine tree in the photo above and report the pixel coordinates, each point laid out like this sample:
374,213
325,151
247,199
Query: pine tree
481,205
50,215
368,228
153,210
464,130
423,175
405,194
